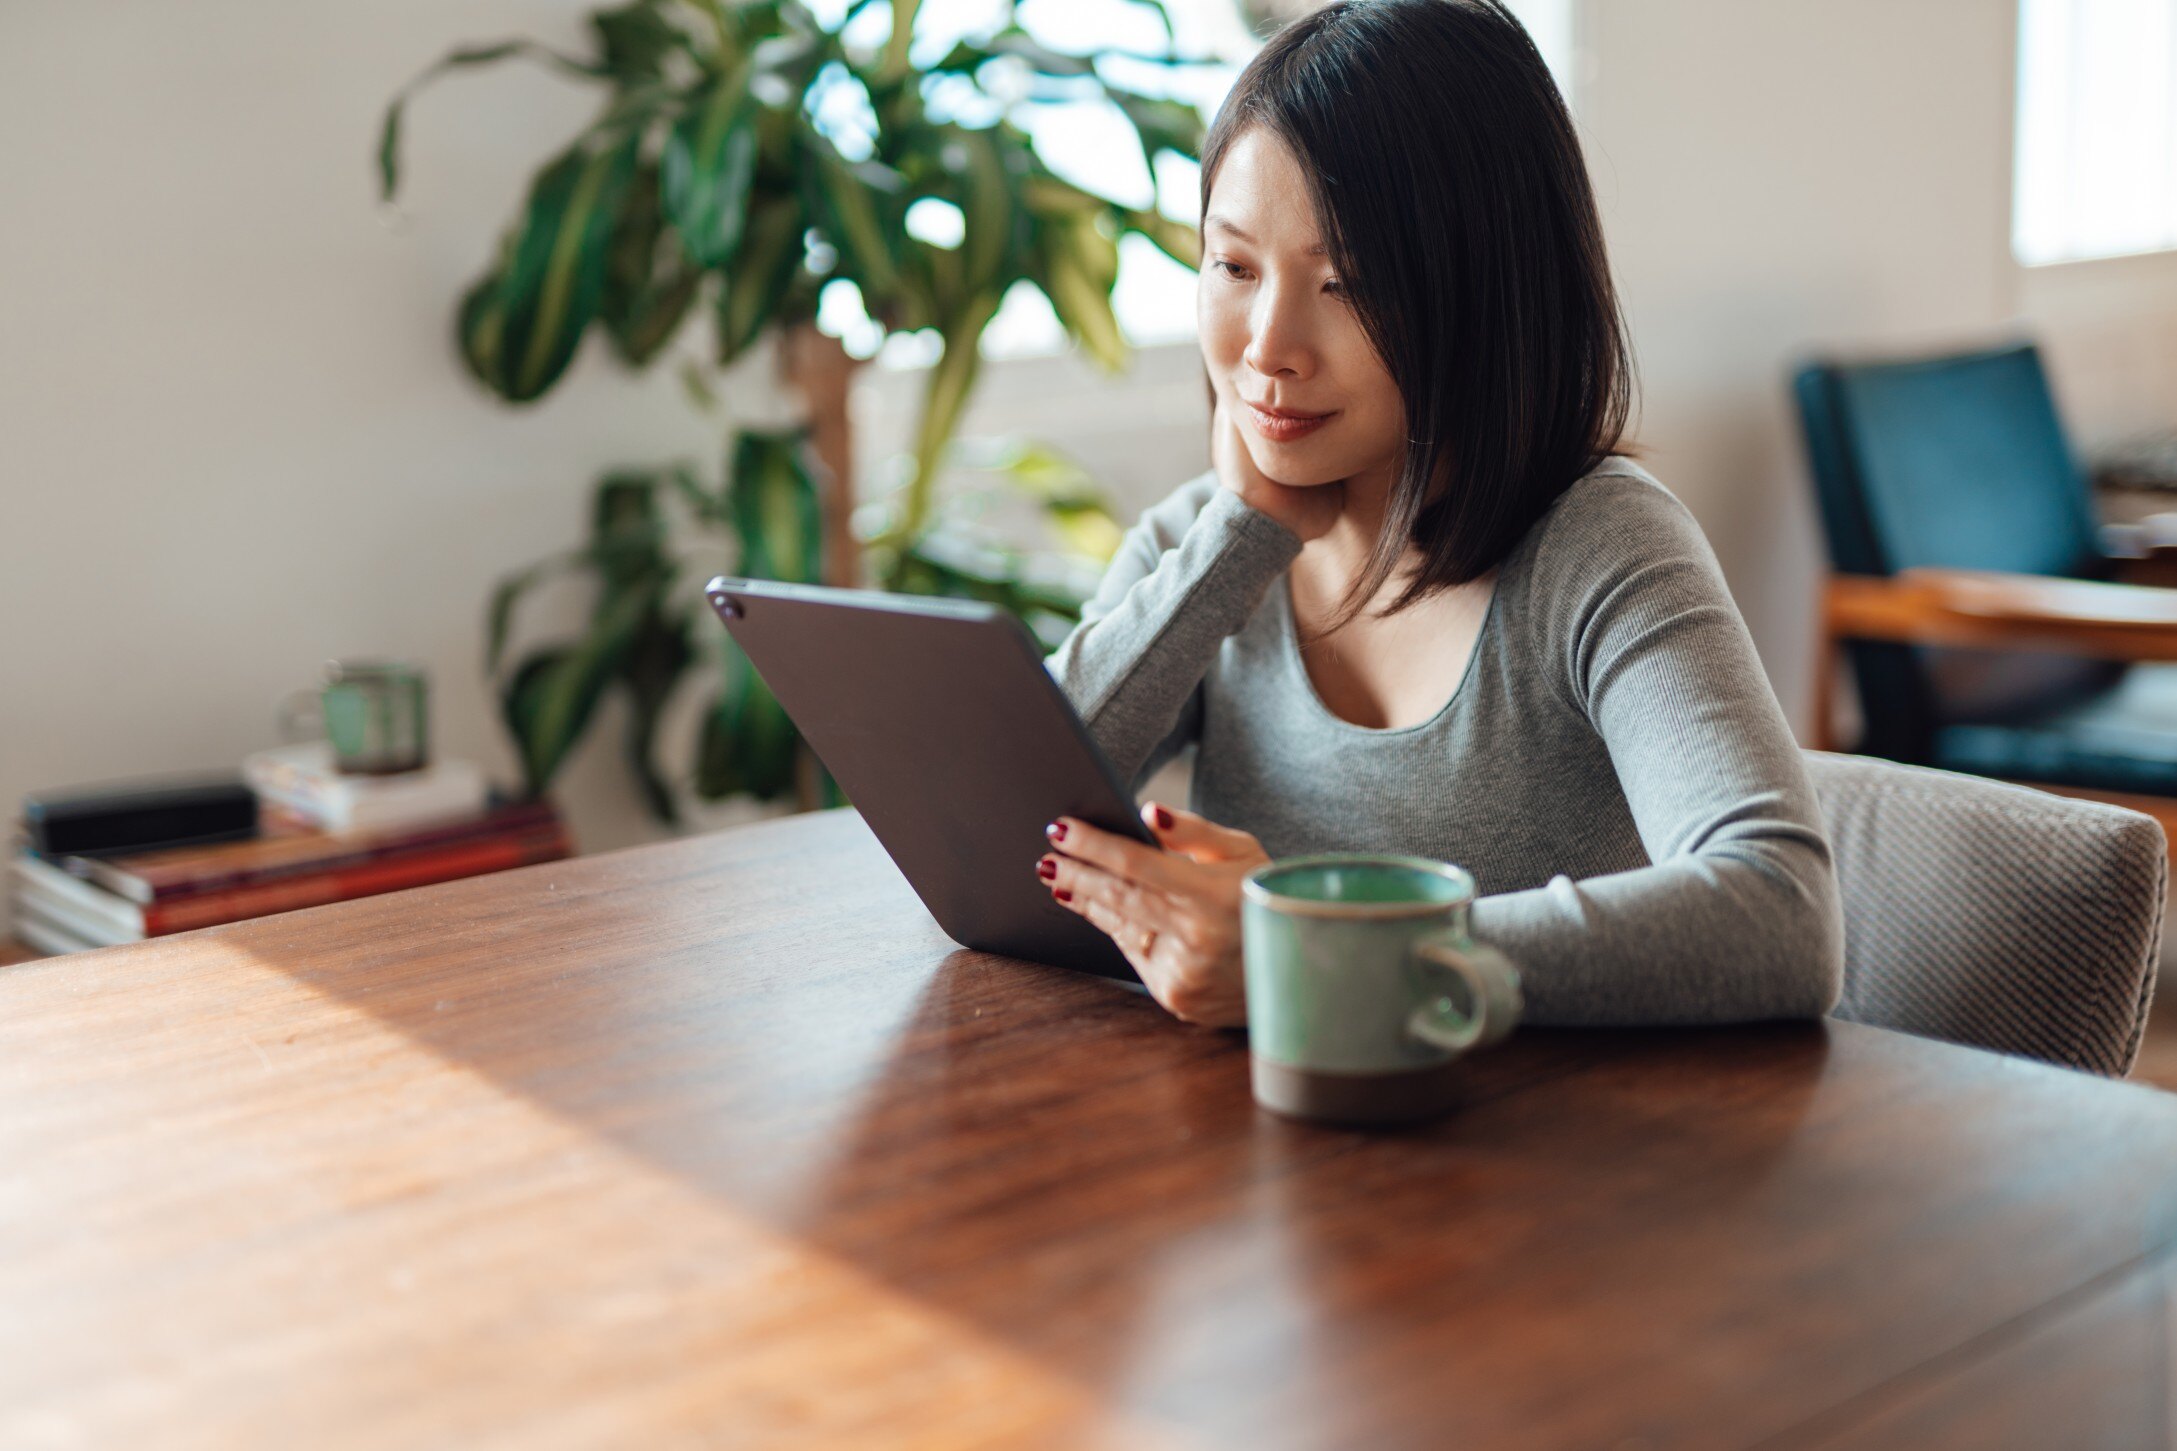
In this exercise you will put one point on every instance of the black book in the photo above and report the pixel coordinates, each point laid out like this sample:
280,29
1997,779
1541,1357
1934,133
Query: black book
133,815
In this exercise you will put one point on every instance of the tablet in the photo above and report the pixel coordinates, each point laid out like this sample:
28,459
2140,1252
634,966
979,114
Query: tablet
941,724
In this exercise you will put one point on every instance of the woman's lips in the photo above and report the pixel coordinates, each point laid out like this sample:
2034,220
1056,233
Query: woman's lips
1285,427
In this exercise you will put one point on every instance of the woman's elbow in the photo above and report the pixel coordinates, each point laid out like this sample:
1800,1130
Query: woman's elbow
1811,973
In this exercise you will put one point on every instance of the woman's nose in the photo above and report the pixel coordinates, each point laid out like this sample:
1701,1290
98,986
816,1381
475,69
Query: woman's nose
1278,344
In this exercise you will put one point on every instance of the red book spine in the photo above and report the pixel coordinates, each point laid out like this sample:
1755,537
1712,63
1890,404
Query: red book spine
281,857
470,859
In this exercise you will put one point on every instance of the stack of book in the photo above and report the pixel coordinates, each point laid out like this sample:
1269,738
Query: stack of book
322,838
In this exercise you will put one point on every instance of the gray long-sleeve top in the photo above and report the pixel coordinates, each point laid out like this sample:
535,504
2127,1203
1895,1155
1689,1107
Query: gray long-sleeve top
1613,768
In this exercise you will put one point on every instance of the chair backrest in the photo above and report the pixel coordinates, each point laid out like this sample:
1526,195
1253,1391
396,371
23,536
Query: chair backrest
1958,461
1995,915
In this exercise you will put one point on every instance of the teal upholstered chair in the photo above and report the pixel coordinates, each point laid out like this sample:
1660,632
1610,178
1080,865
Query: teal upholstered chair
1958,516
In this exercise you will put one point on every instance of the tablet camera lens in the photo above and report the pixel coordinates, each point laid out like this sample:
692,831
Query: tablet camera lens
727,606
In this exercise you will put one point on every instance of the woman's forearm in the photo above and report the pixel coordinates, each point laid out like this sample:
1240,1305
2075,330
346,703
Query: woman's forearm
1170,599
1733,935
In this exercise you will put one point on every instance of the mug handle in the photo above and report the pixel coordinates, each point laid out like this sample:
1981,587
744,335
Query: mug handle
1492,986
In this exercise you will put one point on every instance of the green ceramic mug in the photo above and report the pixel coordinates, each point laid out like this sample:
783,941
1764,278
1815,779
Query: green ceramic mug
375,714
1364,985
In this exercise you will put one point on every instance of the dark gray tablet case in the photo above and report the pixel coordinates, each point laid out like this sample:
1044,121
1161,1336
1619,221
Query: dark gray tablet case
938,719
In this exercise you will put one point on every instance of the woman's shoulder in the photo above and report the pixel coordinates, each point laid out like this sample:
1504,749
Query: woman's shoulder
1615,492
1615,515
1616,546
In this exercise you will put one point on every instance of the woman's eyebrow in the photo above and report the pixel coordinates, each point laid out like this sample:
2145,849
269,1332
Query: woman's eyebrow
1225,223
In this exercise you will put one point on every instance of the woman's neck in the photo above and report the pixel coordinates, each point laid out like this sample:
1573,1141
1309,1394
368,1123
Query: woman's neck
1344,550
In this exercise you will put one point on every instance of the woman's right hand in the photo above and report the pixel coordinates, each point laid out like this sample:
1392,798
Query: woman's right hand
1308,511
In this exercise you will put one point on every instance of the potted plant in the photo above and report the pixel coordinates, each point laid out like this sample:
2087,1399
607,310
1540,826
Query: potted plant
704,188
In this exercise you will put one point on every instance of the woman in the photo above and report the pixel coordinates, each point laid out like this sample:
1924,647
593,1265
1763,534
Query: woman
1421,604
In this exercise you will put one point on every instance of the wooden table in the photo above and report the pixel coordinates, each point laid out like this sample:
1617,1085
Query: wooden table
721,1143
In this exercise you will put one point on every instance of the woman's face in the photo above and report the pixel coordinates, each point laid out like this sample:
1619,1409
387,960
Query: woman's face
1284,350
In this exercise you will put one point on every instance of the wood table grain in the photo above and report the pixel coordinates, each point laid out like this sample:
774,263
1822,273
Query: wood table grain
721,1144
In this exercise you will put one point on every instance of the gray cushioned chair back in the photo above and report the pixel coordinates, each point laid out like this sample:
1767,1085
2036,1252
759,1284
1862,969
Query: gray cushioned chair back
1992,914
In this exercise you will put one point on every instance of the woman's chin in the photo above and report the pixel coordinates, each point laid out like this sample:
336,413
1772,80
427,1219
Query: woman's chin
1290,466
1294,475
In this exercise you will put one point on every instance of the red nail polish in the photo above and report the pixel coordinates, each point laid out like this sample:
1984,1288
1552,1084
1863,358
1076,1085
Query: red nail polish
1062,894
1046,869
1163,818
1056,831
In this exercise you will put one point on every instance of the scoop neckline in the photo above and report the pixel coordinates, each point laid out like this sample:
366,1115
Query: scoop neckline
1290,629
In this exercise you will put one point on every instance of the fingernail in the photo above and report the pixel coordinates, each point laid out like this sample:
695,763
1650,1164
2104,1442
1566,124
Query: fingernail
1062,894
1056,831
1046,869
1163,818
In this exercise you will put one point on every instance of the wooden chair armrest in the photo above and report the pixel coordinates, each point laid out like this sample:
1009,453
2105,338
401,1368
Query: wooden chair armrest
2153,537
2005,611
2143,551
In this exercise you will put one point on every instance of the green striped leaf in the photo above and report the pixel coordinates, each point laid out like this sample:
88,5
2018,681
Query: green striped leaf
747,742
551,698
1080,267
1160,124
933,289
707,168
650,281
499,618
480,327
635,39
771,248
628,529
996,227
651,670
772,499
968,56
1047,196
858,209
521,326
1179,241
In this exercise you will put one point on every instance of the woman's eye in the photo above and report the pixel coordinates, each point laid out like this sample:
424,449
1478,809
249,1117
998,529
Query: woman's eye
1238,273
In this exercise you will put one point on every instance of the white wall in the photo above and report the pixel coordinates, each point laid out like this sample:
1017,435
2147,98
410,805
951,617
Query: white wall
237,440
1805,175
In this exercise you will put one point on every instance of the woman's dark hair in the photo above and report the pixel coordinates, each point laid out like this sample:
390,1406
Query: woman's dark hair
1454,204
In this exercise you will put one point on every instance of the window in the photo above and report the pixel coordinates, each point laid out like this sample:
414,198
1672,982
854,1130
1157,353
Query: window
2096,151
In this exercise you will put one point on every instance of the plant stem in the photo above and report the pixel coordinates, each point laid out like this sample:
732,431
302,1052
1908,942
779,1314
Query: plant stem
903,34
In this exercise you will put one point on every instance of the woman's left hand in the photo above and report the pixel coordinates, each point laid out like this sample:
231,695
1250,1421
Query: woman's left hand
1174,913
